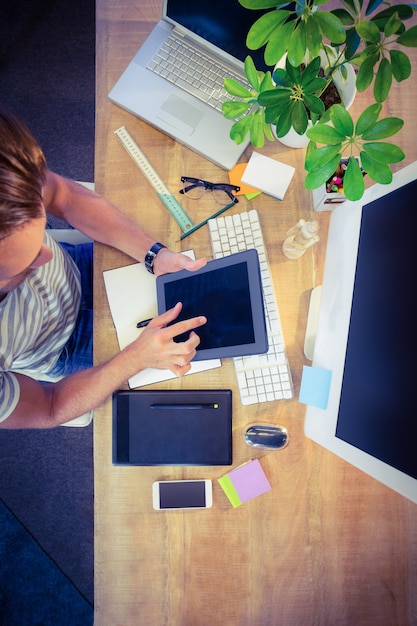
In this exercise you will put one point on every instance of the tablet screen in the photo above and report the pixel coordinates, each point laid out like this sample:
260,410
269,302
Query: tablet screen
228,292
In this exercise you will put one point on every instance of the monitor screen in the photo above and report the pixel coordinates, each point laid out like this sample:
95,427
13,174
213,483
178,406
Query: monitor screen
367,336
376,405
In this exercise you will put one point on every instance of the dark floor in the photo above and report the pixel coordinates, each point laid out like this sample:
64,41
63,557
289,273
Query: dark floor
47,75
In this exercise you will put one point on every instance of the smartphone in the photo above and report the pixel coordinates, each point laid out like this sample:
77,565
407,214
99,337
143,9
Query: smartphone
182,494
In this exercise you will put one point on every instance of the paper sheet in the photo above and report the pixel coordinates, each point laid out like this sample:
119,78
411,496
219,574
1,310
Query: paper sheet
131,292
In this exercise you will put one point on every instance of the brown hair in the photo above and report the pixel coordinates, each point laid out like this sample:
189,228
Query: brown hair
22,173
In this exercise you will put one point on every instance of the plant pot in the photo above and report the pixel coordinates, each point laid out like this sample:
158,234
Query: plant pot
347,91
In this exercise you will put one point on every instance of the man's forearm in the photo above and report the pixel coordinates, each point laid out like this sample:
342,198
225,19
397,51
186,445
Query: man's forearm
95,216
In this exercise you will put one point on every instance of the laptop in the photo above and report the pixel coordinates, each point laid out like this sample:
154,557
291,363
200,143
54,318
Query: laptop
191,29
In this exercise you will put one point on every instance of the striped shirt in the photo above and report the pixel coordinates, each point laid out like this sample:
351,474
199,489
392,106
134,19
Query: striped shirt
36,321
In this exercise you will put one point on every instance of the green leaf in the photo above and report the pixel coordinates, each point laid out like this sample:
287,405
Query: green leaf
344,16
352,43
274,97
317,177
330,25
297,45
367,118
299,118
311,71
240,129
251,73
267,82
365,74
404,11
272,113
392,26
232,110
262,4
317,85
280,77
261,30
313,37
284,123
353,183
400,65
278,43
409,38
384,152
311,148
256,130
342,120
323,133
384,128
268,132
293,72
318,157
314,104
368,31
379,172
236,89
383,81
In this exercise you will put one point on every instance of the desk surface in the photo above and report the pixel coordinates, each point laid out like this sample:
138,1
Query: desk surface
327,544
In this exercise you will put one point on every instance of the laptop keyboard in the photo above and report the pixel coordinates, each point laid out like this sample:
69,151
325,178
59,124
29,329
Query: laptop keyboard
263,377
193,70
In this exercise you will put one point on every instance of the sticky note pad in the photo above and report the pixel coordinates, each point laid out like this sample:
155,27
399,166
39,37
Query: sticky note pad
235,178
244,483
268,175
315,386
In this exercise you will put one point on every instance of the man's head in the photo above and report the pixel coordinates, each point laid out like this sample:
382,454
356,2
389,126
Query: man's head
22,213
22,172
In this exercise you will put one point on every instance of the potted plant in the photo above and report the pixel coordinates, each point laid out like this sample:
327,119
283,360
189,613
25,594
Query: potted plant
357,33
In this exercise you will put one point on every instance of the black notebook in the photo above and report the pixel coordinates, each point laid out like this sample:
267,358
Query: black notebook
172,427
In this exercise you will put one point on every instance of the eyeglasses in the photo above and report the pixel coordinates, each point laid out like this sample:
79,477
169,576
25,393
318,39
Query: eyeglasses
195,188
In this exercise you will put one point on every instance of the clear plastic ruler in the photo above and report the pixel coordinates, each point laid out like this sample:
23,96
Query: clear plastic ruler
173,206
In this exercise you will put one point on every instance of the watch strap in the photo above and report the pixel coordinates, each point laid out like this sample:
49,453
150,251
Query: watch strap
151,254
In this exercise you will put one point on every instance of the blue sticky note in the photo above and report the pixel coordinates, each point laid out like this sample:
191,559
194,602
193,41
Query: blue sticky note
315,386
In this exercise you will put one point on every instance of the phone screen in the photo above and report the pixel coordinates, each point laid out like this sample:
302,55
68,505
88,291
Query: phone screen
182,494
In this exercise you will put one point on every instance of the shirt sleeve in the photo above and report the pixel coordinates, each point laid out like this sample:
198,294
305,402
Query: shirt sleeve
9,394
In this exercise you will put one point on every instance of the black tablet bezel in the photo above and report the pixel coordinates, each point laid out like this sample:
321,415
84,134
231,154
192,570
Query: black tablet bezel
251,260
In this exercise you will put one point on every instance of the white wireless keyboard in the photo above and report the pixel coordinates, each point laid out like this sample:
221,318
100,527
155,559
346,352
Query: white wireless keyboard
263,377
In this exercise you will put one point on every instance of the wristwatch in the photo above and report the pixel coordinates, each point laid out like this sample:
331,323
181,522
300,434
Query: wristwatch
151,254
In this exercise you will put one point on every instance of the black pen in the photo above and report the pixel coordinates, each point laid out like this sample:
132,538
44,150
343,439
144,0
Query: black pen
212,405
143,323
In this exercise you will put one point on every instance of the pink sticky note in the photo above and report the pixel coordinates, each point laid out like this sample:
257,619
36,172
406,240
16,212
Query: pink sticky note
249,480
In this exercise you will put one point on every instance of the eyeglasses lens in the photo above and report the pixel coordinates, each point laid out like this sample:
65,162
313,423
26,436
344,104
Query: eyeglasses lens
193,191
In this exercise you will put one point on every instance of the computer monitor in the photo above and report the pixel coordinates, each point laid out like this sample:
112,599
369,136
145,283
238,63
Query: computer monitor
367,337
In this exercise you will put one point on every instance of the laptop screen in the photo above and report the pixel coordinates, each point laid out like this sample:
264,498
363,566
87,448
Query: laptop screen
223,27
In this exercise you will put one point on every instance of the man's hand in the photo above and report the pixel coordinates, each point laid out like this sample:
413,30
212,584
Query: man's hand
167,261
156,346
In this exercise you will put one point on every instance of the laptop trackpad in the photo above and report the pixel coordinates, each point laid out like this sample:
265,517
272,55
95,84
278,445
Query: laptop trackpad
178,113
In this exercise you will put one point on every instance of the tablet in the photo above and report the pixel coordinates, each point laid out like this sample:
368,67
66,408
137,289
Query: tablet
172,427
228,291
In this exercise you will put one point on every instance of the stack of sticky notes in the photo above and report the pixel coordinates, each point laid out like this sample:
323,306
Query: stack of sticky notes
244,483
268,175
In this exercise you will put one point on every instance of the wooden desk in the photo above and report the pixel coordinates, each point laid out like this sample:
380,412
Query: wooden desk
328,544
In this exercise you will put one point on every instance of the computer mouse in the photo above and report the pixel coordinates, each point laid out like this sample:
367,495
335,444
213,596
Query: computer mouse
266,436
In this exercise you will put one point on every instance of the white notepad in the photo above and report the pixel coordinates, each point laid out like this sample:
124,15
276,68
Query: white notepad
268,175
131,292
